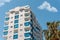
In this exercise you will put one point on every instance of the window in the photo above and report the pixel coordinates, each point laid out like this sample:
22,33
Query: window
5,33
7,18
17,16
27,14
11,17
11,26
15,31
16,21
26,19
21,24
28,39
21,15
26,10
16,26
11,21
21,10
27,29
34,38
31,20
37,28
6,28
27,34
17,12
27,23
12,12
10,32
21,29
15,36
6,23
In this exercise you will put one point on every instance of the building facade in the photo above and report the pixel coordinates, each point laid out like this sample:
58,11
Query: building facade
21,24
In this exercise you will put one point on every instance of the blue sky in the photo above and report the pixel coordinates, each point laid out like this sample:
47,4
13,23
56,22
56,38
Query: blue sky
44,10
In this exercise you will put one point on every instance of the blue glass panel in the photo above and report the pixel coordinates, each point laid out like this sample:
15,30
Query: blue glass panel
5,33
27,23
27,34
16,21
6,28
17,16
16,26
28,39
7,18
15,36
34,38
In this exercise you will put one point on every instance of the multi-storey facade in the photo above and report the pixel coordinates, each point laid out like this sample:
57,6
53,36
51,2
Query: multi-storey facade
21,24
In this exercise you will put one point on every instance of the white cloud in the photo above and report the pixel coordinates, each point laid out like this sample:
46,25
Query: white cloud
2,2
48,7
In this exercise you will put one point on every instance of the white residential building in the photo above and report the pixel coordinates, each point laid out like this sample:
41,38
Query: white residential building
21,24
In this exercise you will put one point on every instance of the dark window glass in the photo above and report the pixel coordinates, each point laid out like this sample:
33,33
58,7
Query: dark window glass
26,19
17,16
27,23
26,10
27,14
15,36
21,24
21,15
5,33
17,12
11,26
16,21
37,28
28,39
27,34
6,28
7,18
21,10
16,26
21,29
